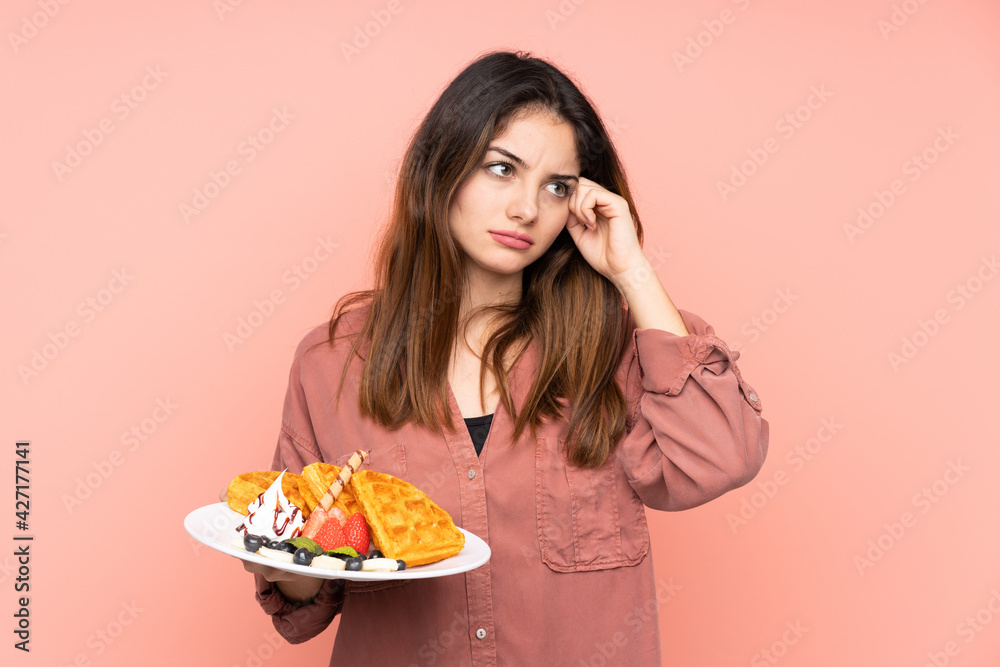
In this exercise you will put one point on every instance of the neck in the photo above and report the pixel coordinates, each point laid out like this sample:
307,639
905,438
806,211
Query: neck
484,289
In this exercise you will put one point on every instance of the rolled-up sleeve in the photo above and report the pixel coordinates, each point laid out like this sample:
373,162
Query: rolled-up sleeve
696,427
299,622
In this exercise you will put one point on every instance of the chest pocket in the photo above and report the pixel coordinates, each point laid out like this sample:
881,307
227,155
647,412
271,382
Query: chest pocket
389,458
588,518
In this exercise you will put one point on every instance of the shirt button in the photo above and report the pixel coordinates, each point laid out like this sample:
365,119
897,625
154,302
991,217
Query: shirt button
480,632
752,396
472,473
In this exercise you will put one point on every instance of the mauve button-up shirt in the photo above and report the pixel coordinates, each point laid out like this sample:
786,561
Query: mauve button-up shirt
570,580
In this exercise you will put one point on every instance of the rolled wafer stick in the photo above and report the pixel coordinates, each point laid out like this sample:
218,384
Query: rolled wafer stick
359,457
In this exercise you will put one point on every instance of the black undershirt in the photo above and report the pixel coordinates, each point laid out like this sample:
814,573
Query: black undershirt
479,428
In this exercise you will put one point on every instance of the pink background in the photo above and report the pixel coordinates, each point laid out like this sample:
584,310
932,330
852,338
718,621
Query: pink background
817,312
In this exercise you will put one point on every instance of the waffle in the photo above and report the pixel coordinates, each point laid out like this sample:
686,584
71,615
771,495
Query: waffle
404,522
316,479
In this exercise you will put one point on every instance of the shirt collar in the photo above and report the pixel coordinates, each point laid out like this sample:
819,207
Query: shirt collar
521,376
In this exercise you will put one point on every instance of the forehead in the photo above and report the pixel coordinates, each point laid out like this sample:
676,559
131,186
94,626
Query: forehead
539,137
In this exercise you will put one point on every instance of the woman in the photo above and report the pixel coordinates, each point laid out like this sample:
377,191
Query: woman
511,292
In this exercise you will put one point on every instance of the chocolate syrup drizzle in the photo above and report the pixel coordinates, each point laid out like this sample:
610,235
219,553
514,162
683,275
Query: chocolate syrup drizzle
278,511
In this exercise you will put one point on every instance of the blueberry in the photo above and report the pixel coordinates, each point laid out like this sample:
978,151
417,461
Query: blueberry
354,564
287,546
338,555
374,553
302,556
252,542
401,565
272,544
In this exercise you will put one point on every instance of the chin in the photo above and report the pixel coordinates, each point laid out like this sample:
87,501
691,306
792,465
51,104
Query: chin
507,270
502,268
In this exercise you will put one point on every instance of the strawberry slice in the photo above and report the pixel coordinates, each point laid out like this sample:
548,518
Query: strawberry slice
330,535
356,532
319,516
316,519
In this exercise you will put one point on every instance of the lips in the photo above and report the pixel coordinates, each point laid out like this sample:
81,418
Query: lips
512,239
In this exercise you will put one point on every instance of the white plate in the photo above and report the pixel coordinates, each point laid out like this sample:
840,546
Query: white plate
215,526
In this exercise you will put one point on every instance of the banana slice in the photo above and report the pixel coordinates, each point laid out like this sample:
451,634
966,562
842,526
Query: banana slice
329,563
380,565
275,554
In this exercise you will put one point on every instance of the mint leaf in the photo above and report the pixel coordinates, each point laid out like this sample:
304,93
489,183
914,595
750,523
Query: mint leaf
346,551
300,542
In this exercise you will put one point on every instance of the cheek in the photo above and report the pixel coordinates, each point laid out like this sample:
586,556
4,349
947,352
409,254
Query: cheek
469,204
458,204
461,216
555,221
465,198
544,243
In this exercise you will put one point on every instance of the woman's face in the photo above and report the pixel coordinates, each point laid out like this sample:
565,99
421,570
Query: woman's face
513,207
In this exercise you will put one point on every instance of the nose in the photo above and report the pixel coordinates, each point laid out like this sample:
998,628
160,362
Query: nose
523,205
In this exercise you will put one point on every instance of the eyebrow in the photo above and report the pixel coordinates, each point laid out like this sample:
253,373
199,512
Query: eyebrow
521,163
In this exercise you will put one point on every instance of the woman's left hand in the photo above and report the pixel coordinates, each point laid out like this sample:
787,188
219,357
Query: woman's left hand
602,228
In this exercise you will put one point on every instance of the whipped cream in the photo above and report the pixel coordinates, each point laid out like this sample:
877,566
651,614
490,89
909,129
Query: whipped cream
272,515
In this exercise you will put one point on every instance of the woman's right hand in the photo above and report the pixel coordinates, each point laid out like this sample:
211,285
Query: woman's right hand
295,587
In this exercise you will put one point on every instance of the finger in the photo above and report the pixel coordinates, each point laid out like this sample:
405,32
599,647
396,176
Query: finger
577,214
587,205
576,219
576,232
269,573
224,494
254,568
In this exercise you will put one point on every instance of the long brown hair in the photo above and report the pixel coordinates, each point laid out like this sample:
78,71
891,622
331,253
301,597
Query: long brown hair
576,316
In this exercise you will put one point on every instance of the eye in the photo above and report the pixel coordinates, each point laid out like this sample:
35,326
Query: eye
564,189
502,165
